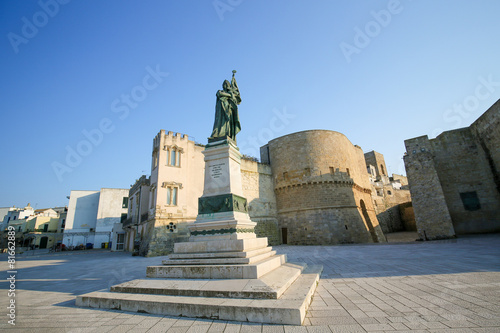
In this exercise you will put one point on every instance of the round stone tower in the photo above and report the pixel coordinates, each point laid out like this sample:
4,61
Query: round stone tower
322,189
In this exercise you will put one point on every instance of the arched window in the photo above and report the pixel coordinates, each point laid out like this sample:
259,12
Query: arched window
382,171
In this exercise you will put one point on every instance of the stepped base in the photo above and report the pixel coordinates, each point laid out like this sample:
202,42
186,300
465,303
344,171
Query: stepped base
271,285
217,271
289,308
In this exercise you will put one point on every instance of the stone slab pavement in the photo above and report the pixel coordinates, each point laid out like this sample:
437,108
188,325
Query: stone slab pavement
439,286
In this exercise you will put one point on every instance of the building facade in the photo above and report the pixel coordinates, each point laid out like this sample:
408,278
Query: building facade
93,217
390,196
135,226
454,179
177,170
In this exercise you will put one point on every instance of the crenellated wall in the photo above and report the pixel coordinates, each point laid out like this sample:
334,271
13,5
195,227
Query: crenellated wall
322,189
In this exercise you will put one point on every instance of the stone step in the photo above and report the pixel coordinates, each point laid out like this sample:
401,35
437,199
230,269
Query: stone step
289,309
271,285
219,261
217,271
246,254
223,245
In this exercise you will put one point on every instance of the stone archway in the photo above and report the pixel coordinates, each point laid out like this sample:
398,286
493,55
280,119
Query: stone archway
368,221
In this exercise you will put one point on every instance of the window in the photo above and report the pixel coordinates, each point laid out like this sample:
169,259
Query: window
14,217
152,201
155,160
470,201
332,171
172,195
173,159
347,170
120,241
382,171
45,227
173,156
125,202
63,223
123,217
389,192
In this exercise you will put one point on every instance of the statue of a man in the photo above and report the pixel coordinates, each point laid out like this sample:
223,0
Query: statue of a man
227,121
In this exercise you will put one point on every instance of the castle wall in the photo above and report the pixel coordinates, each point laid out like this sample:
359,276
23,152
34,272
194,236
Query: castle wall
322,189
454,180
432,217
486,130
463,167
387,208
257,185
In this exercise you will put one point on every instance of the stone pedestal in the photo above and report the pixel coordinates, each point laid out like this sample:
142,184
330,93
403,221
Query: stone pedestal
222,209
223,233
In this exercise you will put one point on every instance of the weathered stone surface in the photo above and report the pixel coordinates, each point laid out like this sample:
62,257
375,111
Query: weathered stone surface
444,170
320,182
289,309
206,270
271,285
237,245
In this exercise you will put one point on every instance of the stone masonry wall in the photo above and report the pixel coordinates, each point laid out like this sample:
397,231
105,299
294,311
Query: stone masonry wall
387,208
432,217
463,167
486,130
320,180
257,185
377,160
457,175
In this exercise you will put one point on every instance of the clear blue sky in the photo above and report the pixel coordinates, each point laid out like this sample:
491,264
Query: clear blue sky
379,72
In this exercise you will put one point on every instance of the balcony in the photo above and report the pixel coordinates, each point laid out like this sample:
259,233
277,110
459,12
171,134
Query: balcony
127,223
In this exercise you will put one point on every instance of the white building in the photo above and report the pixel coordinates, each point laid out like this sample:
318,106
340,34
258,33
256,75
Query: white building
92,216
14,214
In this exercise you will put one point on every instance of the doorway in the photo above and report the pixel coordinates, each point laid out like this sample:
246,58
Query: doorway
43,242
284,235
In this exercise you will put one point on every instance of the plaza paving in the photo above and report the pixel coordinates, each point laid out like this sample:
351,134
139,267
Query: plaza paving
441,286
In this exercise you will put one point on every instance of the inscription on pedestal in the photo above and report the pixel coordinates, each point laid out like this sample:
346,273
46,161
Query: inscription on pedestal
216,170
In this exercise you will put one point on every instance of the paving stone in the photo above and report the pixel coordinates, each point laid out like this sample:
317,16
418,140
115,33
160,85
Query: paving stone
424,291
347,329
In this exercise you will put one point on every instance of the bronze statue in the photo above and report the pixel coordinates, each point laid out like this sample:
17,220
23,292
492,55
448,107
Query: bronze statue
227,121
